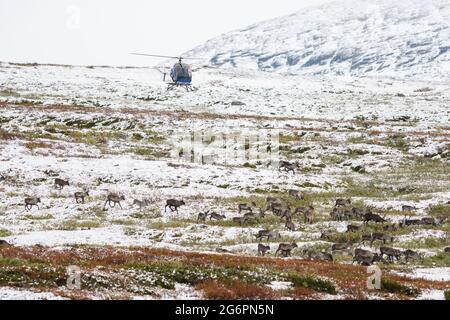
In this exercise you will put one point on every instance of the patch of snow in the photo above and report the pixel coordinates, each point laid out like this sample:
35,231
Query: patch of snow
280,285
432,295
16,294
434,274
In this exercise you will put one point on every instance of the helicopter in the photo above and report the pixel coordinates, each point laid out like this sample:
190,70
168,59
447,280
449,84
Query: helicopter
180,73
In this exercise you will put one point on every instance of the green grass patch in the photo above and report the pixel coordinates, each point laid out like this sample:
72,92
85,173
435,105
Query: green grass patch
7,135
71,225
249,165
426,243
398,142
9,93
392,286
95,137
124,222
39,217
167,274
172,224
310,282
440,211
4,233
23,273
441,259
149,152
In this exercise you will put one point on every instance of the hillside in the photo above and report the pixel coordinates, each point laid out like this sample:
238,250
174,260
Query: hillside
387,38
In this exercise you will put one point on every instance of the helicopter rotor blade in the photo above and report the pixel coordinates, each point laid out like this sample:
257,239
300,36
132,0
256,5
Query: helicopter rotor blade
153,55
160,56
205,66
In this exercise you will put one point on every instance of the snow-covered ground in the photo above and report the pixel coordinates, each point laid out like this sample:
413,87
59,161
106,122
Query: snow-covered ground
15,294
381,141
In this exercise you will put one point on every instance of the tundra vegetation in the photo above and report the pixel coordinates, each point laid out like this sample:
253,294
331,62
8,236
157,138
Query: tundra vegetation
96,178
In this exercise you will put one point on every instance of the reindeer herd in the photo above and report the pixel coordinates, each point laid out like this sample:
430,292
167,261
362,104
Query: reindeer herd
342,211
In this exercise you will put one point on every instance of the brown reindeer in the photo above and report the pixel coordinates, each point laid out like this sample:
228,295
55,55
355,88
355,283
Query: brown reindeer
112,199
262,250
60,183
173,205
80,196
286,247
290,225
31,202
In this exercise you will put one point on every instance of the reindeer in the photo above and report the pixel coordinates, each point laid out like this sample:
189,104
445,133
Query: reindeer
262,250
365,257
337,214
427,221
359,213
366,238
408,208
267,233
304,210
410,254
239,220
277,209
296,194
251,216
286,253
142,204
343,202
391,253
286,214
286,247
246,207
391,227
216,216
348,215
410,222
202,216
319,256
363,253
287,167
290,225
326,235
352,228
60,184
31,202
271,201
80,196
174,205
381,237
374,217
325,256
308,214
341,215
112,199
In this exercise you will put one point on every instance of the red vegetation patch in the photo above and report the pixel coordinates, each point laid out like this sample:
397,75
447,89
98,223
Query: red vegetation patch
349,279
235,291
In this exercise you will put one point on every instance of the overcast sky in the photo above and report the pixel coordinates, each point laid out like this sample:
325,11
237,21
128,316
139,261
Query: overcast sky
103,32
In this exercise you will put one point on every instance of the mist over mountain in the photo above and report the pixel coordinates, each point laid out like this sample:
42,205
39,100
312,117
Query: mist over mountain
408,38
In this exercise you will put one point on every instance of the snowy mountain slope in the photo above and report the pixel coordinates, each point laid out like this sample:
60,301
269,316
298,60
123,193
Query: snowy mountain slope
363,37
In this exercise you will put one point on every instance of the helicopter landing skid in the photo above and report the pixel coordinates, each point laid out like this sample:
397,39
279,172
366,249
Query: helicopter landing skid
187,87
